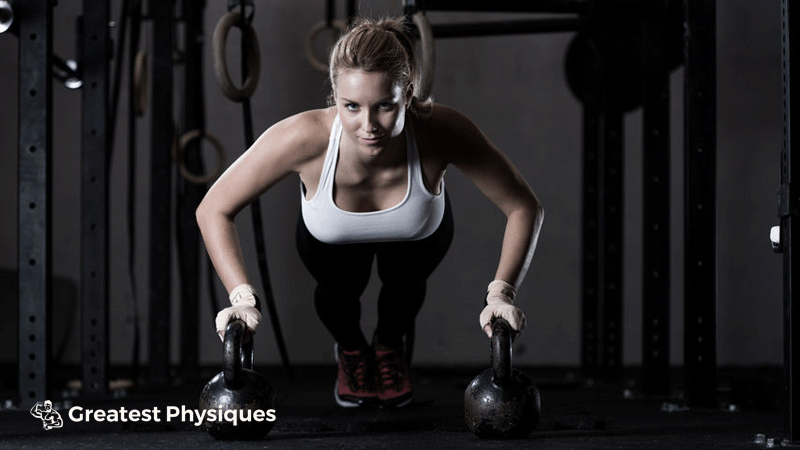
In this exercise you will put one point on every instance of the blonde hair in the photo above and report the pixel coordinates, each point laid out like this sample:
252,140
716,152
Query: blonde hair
379,46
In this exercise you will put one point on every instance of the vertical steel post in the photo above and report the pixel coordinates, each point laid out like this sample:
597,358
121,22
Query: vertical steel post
601,352
95,51
591,292
700,255
610,195
590,281
656,205
162,141
34,245
610,208
788,211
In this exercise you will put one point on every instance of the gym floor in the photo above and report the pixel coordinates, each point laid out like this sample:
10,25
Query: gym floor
576,414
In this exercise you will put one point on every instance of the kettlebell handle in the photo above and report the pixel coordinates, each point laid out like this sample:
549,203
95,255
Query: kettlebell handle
236,356
501,351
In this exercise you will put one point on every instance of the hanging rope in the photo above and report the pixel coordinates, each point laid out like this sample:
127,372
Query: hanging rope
139,97
251,67
137,103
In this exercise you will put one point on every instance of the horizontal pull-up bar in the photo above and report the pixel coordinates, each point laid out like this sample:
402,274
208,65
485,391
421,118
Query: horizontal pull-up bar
532,6
458,30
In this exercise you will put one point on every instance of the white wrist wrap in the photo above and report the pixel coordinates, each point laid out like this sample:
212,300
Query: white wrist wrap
243,306
500,303
243,295
500,291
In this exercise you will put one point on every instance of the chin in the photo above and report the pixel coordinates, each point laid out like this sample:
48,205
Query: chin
373,149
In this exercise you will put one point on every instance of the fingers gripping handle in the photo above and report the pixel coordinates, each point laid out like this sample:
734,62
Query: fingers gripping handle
500,303
233,355
501,351
245,305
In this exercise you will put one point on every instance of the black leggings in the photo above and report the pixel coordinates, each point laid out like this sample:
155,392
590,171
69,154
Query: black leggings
342,272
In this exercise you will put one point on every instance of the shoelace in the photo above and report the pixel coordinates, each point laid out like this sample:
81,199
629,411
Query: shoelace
356,369
389,364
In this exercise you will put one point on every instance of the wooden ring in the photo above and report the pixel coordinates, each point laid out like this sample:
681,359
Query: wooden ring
184,142
428,55
318,28
252,56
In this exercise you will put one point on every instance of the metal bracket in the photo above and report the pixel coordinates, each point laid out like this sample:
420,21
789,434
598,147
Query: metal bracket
248,6
68,72
233,4
788,202
775,239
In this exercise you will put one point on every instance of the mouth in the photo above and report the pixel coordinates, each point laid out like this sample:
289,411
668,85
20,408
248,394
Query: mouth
371,140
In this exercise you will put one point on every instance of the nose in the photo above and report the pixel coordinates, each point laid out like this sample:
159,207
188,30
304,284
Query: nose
369,122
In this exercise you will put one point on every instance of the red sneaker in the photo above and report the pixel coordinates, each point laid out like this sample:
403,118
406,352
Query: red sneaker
355,385
394,378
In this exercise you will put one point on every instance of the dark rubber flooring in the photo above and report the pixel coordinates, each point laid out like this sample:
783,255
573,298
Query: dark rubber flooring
574,416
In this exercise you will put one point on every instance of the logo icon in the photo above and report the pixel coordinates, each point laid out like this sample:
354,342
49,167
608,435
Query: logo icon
50,417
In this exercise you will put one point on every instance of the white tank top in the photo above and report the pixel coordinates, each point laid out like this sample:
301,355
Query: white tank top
416,217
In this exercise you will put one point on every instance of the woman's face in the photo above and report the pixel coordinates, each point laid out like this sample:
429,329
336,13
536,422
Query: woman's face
372,108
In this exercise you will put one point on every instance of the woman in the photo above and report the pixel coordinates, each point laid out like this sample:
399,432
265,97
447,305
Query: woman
372,170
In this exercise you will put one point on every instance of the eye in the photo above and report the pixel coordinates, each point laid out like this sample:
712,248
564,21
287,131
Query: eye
351,106
385,105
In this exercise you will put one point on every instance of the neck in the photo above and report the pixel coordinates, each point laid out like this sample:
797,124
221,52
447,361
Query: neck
392,155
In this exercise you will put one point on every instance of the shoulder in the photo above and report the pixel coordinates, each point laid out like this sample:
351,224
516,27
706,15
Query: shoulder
301,137
306,130
445,122
314,119
447,130
443,116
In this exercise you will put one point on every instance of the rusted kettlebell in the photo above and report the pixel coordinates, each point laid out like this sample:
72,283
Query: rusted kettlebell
502,402
239,398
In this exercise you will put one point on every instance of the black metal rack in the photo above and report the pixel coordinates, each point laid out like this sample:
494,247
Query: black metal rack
700,236
656,213
788,211
34,22
95,146
613,33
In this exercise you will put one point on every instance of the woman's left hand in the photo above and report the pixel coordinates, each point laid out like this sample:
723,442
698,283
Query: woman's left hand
500,303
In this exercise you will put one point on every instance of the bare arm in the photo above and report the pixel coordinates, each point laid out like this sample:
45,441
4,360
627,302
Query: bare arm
501,182
279,151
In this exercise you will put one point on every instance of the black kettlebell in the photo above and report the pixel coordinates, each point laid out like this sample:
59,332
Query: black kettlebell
237,388
502,402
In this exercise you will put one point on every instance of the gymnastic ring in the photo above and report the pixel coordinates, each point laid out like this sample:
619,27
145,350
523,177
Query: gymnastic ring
140,83
6,16
428,55
318,28
252,55
188,137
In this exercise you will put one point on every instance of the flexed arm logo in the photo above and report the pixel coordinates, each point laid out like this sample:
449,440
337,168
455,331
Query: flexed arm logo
50,417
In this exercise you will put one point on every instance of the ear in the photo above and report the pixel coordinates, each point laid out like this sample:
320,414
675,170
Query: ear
409,93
